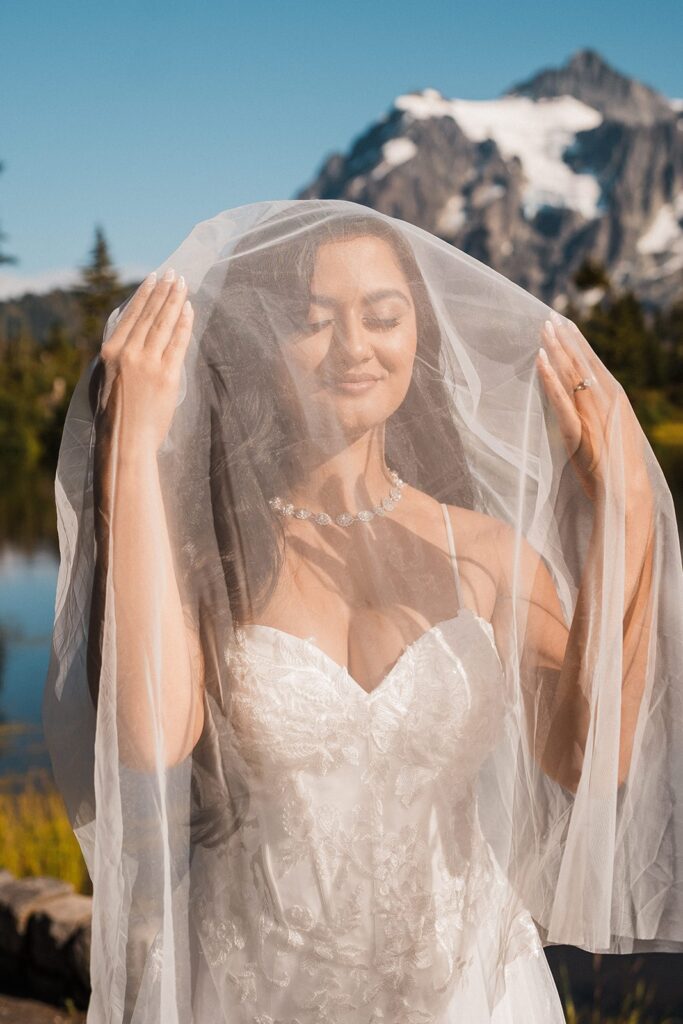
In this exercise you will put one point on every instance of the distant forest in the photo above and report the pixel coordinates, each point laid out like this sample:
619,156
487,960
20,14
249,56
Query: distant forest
47,340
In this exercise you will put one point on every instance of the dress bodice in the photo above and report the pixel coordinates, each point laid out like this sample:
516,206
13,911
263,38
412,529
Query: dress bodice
361,882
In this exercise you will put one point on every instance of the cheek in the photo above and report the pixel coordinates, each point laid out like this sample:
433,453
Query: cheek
301,362
398,353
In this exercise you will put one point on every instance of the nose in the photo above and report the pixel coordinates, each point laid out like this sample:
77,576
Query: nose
353,336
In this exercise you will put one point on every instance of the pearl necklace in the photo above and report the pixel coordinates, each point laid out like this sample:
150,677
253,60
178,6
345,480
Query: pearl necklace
344,518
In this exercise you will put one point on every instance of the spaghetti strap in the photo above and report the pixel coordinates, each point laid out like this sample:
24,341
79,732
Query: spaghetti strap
451,548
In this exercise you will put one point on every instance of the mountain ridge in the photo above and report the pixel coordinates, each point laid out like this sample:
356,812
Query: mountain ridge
590,78
575,162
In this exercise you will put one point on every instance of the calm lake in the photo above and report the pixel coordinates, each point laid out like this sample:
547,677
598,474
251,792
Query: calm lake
28,584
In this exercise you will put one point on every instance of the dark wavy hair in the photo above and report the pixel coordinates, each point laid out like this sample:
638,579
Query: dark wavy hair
253,429
263,293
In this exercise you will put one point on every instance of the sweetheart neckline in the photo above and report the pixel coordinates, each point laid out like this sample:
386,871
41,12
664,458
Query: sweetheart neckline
368,695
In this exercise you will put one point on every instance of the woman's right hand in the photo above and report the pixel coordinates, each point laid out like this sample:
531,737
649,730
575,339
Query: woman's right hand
143,359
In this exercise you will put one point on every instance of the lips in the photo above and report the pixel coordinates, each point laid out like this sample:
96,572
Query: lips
355,380
352,384
352,378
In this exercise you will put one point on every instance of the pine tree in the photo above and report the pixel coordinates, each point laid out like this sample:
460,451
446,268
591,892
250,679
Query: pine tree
591,274
4,257
97,296
621,338
669,325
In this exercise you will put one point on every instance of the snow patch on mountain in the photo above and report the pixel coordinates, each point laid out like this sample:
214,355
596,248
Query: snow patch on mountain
665,233
452,216
537,132
394,152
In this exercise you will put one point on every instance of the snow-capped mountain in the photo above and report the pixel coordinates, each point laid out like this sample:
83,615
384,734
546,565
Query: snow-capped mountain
577,161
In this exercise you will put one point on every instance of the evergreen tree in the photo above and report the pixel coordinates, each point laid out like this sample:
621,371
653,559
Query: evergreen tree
669,326
98,295
618,332
4,257
591,274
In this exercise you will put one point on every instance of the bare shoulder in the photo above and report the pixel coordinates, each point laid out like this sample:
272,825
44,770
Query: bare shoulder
474,525
480,542
480,534
493,540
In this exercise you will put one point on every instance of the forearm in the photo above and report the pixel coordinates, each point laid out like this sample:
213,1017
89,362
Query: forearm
574,698
158,699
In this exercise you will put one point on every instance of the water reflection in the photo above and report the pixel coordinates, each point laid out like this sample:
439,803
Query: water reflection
28,581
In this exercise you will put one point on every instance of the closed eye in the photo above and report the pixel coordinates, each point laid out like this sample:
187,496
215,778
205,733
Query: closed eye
375,323
313,328
386,325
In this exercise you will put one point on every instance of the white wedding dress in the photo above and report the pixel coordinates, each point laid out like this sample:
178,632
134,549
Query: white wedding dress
359,887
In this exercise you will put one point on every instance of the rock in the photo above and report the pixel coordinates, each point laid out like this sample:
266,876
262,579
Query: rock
19,898
28,1011
50,931
79,958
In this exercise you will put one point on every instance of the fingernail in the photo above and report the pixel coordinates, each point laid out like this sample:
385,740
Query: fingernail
550,329
151,278
543,354
187,307
169,275
556,318
180,284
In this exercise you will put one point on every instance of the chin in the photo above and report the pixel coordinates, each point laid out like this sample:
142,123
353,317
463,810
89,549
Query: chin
335,411
347,418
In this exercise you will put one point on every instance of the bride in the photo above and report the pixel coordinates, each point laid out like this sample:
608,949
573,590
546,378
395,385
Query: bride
380,687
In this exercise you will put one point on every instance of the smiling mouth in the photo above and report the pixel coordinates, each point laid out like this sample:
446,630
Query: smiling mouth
352,385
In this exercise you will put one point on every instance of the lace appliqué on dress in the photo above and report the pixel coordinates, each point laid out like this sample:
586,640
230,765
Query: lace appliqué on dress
360,878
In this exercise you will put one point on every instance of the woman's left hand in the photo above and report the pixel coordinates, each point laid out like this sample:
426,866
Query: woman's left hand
585,416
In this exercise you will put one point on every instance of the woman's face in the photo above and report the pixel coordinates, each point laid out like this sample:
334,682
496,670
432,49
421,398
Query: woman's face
352,363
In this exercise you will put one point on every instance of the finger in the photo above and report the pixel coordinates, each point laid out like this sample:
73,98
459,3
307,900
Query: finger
174,353
160,331
568,418
565,362
155,300
593,402
578,345
134,307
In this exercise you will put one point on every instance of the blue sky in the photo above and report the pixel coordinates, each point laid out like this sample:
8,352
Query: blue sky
147,117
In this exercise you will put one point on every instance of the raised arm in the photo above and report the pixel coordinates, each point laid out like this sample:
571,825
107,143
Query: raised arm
159,672
557,660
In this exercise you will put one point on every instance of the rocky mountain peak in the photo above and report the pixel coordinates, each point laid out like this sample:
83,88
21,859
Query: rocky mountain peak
588,77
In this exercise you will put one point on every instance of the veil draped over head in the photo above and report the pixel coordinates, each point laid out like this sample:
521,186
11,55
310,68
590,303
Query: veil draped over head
331,766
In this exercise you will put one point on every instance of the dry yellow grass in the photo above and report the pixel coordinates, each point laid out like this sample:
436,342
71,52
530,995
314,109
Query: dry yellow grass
669,433
36,837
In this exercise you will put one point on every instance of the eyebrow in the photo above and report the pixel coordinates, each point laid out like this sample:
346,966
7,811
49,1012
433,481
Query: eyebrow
381,293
